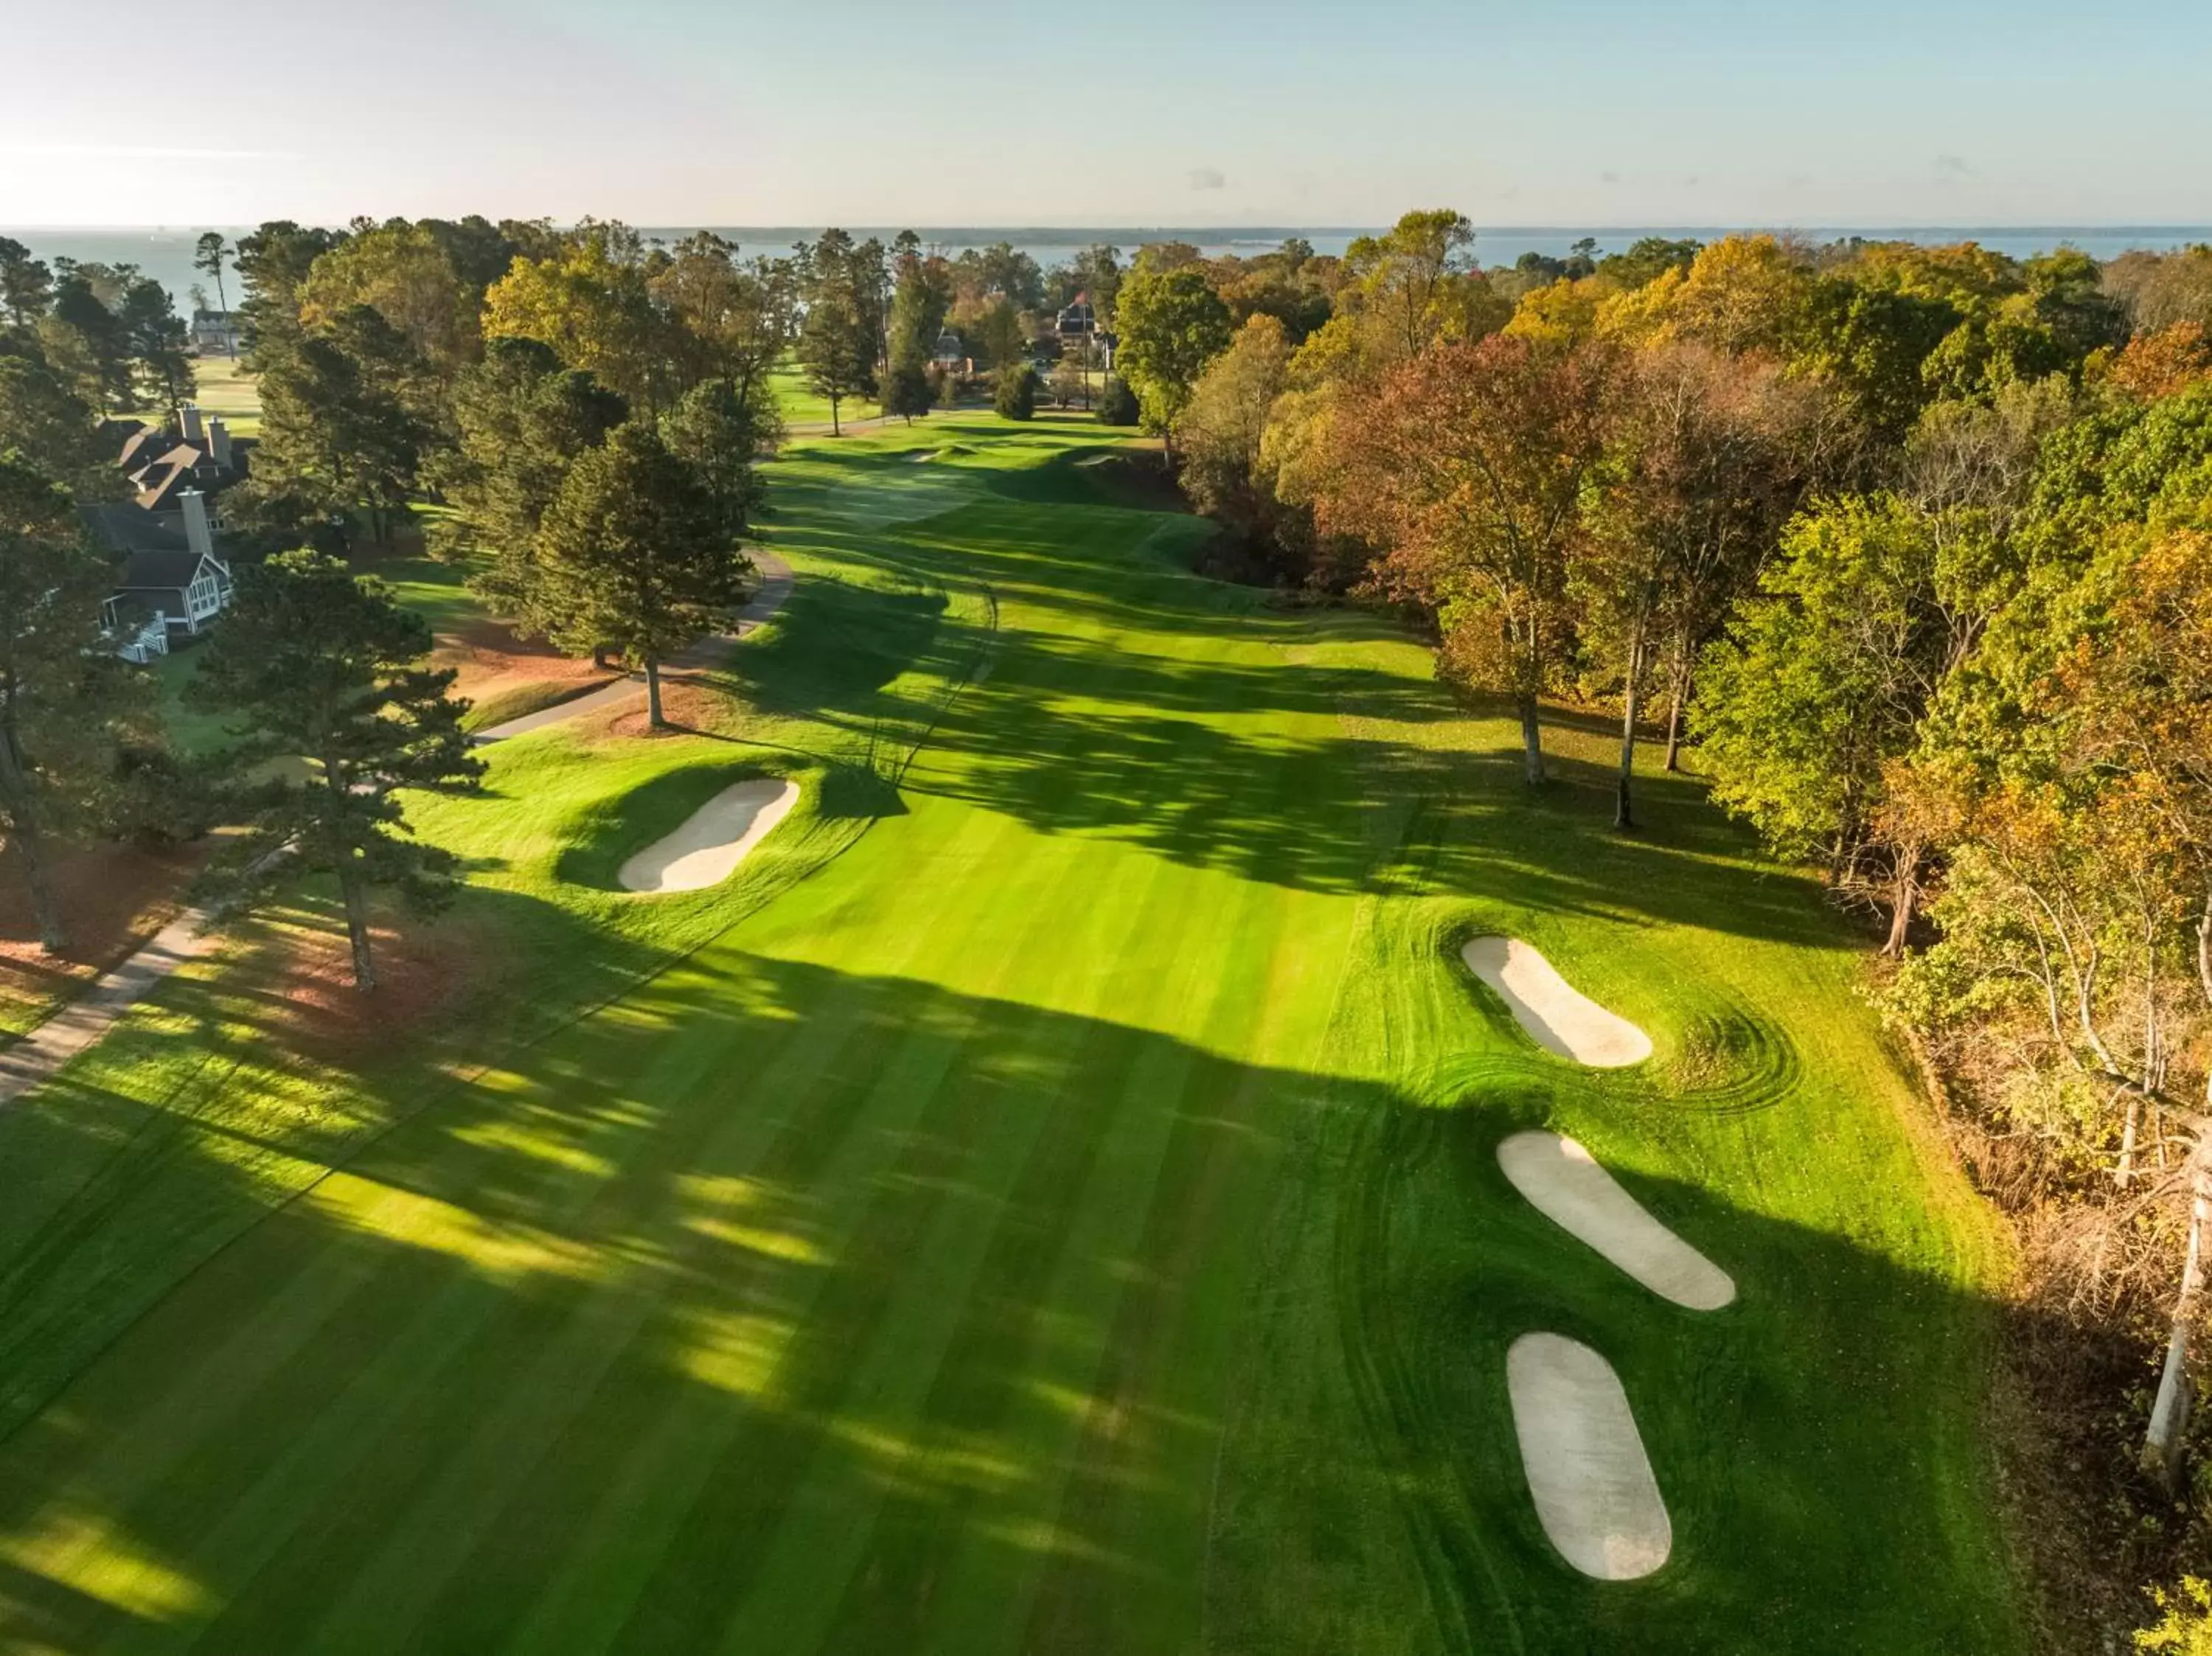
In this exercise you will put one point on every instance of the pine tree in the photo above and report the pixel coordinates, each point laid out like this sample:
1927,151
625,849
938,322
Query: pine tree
636,555
66,703
322,666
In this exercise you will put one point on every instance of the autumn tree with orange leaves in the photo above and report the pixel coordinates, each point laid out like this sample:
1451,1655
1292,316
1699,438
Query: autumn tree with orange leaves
1465,468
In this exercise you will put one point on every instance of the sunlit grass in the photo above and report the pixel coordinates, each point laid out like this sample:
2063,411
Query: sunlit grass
1045,1200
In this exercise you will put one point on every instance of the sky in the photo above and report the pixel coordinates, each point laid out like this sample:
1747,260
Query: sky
1882,112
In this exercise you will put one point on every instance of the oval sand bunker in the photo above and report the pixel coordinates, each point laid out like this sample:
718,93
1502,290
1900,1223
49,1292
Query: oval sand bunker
1587,1471
1560,1017
714,839
1565,1184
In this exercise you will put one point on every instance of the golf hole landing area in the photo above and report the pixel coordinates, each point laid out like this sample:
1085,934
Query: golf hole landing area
1559,1016
1564,1184
1587,1473
714,839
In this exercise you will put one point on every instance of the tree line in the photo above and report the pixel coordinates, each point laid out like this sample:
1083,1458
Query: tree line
1909,547
576,416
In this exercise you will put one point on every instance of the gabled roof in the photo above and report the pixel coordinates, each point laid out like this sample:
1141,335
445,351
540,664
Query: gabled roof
128,528
162,480
142,444
158,572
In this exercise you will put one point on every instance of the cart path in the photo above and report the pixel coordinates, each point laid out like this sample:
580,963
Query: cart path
776,582
36,1057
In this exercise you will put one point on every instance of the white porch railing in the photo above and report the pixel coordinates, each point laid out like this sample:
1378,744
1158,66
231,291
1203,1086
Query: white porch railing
148,643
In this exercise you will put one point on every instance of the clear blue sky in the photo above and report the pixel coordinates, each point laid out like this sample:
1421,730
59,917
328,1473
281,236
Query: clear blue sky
1190,112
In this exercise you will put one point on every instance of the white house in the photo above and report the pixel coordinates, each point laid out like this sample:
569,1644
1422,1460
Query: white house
216,333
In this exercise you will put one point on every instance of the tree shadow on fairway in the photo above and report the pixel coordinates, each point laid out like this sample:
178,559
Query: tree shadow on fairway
1331,810
1131,700
1818,1443
783,1308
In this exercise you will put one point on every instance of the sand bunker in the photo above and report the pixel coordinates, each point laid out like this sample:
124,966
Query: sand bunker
1560,1017
713,840
1567,1187
1587,1471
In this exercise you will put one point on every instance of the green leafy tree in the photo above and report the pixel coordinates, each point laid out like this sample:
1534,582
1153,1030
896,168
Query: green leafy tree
1014,393
272,264
1226,470
1415,284
339,432
837,342
157,344
56,430
1172,325
318,665
1070,384
96,331
921,299
67,703
717,433
729,320
1818,693
400,269
591,300
635,556
908,393
996,328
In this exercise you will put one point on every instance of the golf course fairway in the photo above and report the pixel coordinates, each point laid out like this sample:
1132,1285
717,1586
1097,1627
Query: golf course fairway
1046,1200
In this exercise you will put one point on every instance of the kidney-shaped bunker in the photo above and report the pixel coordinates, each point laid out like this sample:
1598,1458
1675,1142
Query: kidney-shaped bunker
714,839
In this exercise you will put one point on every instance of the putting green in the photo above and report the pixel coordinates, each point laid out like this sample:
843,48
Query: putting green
1045,1200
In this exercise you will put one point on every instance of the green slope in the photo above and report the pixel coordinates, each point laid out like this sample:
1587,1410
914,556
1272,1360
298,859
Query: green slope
1045,1203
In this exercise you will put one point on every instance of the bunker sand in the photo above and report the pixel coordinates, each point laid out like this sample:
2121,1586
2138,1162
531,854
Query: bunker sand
1591,1481
1559,1018
716,838
1565,1184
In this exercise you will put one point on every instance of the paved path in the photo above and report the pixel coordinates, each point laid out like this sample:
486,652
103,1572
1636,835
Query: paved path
84,1019
776,582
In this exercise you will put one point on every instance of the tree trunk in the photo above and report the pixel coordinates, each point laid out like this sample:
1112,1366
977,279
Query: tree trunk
38,880
1623,813
2169,1410
1900,905
356,912
1681,695
1532,740
2127,1170
833,431
652,693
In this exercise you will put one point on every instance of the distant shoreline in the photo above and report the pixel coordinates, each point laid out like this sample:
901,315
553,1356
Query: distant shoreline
165,251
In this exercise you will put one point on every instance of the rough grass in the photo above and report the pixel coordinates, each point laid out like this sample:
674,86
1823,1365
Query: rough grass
1045,1201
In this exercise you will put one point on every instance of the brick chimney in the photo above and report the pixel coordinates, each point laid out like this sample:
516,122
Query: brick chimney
188,418
198,535
219,440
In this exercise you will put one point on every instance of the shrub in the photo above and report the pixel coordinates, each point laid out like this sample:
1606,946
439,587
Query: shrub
1117,404
1016,397
2186,1627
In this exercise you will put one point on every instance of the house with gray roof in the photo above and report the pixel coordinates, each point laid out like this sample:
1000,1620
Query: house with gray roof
170,583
